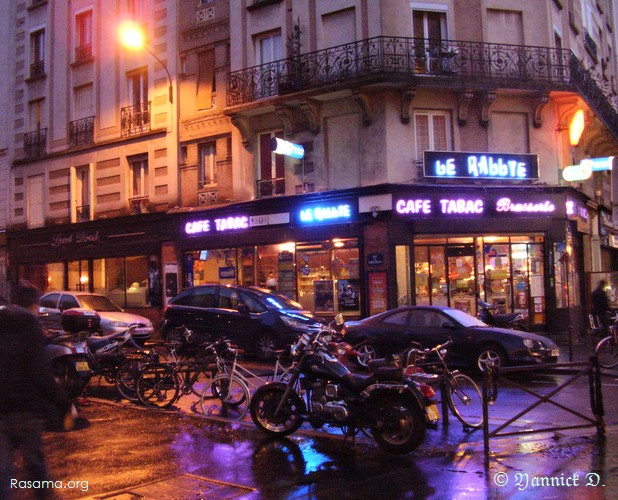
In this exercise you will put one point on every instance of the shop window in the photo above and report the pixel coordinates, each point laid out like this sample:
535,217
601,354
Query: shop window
78,276
124,280
212,266
47,277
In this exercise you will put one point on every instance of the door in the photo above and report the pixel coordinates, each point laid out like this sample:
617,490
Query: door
461,278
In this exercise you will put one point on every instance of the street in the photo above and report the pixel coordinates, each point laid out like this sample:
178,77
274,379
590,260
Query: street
124,449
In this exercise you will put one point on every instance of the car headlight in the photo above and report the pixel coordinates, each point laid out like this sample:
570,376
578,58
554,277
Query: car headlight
533,344
298,324
119,324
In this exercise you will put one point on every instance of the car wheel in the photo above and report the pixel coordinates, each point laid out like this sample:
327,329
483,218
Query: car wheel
265,347
489,355
366,353
173,335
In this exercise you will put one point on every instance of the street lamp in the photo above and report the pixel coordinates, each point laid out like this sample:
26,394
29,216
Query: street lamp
132,37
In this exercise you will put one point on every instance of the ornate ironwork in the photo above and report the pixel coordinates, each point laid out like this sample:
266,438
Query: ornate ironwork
270,187
37,69
135,120
421,61
81,132
83,213
35,144
83,53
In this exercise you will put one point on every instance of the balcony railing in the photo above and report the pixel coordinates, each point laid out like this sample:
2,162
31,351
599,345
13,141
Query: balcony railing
135,120
83,213
81,132
421,62
35,144
37,69
83,53
270,187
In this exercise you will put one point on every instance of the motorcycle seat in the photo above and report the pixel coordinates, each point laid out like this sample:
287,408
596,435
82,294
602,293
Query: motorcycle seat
357,382
388,373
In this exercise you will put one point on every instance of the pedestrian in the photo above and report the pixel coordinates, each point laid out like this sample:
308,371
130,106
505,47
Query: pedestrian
600,306
27,390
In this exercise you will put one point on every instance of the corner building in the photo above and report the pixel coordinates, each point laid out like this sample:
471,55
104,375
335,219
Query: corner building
435,138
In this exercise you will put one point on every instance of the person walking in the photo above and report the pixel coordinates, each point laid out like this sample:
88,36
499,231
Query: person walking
27,390
600,306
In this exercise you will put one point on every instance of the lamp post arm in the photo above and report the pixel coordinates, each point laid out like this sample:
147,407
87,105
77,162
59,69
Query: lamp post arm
170,91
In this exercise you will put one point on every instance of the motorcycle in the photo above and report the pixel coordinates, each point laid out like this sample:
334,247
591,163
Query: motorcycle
67,353
392,408
514,321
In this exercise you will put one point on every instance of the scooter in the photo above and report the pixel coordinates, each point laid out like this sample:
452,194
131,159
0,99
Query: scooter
514,321
67,353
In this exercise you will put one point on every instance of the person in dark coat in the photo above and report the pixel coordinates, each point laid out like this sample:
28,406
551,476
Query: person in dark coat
27,388
600,306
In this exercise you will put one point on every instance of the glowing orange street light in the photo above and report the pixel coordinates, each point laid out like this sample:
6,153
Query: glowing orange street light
576,128
132,37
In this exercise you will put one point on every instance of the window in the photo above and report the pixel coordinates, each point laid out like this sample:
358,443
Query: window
431,129
124,280
37,54
338,28
206,79
268,48
271,168
83,36
399,319
36,192
81,188
206,165
139,177
429,28
138,87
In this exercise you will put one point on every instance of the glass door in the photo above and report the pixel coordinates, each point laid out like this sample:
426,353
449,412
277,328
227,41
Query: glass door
462,278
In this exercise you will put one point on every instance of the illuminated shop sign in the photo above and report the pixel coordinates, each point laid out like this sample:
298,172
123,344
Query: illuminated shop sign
457,206
339,212
217,225
455,165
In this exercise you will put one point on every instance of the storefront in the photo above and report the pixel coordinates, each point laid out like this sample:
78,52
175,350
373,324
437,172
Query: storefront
305,249
514,248
115,257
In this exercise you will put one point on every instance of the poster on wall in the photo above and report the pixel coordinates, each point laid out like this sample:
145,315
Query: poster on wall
324,295
347,295
377,292
287,278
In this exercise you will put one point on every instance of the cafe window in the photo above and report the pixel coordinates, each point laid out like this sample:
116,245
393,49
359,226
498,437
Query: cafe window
47,277
124,280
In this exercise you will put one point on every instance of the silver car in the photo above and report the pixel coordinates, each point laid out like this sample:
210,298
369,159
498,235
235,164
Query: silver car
113,318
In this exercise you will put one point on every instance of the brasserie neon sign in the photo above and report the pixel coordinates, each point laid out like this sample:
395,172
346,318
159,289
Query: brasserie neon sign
470,206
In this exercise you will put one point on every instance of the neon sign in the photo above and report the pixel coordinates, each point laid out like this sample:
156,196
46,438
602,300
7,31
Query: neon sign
455,165
326,213
506,205
424,207
220,224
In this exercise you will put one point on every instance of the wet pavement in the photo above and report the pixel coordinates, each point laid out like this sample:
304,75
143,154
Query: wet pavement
127,451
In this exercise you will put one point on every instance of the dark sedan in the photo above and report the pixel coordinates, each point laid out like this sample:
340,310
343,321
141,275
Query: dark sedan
474,343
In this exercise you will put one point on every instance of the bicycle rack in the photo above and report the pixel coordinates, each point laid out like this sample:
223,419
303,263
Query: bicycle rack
493,375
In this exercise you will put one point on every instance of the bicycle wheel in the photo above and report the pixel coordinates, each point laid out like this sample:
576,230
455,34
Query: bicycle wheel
224,400
126,378
465,400
157,386
607,352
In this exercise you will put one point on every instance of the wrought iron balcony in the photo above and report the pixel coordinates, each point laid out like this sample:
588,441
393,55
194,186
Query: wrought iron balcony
83,213
135,120
421,62
81,132
83,53
37,70
270,187
35,144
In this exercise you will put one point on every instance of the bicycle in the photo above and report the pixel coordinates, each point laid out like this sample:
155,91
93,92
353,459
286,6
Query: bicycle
162,384
228,394
607,349
463,396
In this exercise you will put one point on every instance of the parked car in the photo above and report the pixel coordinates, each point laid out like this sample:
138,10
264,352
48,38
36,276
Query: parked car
254,319
474,342
113,318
